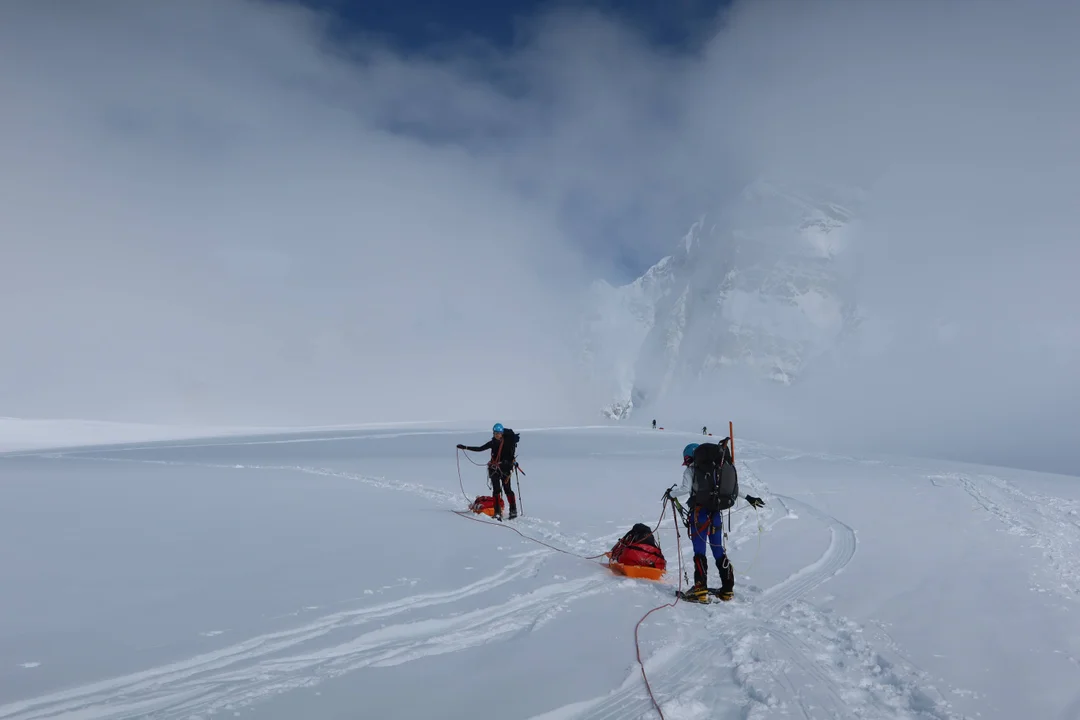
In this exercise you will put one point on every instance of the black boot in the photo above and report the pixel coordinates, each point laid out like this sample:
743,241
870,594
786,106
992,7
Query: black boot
701,571
513,505
727,578
497,508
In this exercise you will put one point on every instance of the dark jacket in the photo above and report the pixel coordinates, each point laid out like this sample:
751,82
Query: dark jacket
503,452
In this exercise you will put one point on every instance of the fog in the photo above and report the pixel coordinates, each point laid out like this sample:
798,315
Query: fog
206,217
960,121
223,211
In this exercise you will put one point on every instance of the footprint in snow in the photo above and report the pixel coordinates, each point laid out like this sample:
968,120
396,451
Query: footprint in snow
29,665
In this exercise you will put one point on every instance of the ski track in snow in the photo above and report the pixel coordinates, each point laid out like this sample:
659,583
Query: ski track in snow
787,657
249,671
238,675
783,656
1052,523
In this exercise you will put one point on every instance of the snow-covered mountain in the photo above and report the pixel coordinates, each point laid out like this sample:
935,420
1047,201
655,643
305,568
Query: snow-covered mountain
766,284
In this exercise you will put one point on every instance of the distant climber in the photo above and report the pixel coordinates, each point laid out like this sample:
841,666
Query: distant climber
704,430
712,483
654,424
503,447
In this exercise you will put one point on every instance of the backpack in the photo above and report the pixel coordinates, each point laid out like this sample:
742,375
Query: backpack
509,448
638,548
716,483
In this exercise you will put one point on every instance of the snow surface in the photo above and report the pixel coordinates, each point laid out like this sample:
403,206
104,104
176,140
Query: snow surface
30,434
323,575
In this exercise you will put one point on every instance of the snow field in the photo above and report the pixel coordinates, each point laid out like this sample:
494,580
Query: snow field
324,575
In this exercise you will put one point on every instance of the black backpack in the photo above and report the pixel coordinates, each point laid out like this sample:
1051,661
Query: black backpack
510,443
640,534
716,483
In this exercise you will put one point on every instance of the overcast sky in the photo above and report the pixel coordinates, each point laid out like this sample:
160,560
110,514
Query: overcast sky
242,211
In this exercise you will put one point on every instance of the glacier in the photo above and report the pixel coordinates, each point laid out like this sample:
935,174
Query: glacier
325,574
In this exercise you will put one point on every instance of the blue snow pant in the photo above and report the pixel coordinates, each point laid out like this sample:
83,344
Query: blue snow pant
704,525
707,526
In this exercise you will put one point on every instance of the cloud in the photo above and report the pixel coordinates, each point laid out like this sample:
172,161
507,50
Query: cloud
208,216
959,119
222,210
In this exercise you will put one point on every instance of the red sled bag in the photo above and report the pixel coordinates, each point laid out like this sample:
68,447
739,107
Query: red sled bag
636,554
485,505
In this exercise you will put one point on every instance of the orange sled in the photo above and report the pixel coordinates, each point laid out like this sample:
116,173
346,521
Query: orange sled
637,555
635,571
485,505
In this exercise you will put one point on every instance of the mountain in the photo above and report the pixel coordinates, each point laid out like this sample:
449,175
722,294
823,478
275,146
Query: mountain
766,284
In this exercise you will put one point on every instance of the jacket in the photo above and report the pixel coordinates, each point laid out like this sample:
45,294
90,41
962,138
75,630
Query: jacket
687,483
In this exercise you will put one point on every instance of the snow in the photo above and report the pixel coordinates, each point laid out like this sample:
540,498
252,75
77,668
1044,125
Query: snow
323,574
36,434
769,284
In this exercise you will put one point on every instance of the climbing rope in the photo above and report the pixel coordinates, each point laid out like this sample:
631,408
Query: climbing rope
468,514
461,483
637,642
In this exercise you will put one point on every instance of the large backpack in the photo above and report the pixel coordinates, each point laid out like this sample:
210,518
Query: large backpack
716,483
638,547
509,448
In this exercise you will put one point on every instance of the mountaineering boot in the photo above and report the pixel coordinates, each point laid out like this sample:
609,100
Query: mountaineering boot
701,571
513,505
699,592
727,579
497,508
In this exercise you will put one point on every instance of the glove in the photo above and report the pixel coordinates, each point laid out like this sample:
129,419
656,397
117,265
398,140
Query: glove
460,447
756,502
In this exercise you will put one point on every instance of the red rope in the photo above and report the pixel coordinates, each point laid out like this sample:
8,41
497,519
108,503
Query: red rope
637,643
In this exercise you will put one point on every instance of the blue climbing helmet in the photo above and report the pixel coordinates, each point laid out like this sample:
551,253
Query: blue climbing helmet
688,453
497,429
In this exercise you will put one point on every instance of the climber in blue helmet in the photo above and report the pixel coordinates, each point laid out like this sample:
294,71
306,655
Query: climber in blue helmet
503,447
712,483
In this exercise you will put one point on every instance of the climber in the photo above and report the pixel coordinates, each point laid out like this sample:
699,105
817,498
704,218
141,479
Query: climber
712,483
503,446
654,424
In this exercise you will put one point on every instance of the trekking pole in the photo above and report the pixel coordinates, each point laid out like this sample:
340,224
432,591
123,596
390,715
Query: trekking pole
517,476
677,512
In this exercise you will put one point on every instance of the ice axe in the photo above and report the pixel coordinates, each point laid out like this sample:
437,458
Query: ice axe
675,502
